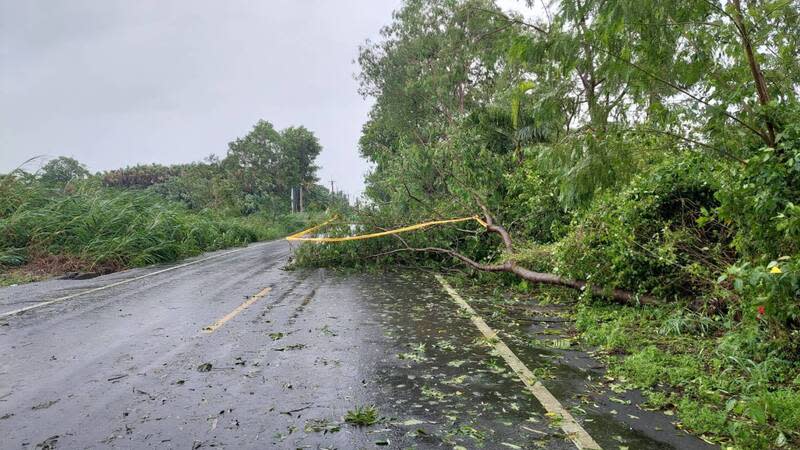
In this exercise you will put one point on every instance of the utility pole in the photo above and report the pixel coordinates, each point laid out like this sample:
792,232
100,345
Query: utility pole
301,198
332,193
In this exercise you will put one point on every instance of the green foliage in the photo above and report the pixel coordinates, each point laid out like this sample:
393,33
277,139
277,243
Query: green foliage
62,170
701,417
772,292
203,185
739,388
362,416
435,62
139,176
651,366
266,164
254,158
537,212
650,236
760,199
148,213
781,407
112,229
300,149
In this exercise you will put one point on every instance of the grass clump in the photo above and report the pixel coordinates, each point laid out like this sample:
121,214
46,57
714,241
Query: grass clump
362,416
113,229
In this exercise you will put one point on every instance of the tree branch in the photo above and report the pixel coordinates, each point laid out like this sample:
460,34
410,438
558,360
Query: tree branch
648,73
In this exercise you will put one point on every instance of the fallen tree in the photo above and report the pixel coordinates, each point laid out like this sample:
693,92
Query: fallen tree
510,265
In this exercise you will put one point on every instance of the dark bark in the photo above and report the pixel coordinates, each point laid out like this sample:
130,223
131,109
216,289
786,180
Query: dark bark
755,69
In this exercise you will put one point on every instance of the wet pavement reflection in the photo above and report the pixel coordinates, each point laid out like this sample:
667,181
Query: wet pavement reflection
132,367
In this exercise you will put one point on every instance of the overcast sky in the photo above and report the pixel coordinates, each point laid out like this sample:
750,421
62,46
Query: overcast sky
117,82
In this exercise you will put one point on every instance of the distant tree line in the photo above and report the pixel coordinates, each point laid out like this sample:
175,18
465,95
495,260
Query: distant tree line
257,174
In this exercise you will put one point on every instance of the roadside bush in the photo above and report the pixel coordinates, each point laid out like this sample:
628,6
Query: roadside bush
139,176
654,236
759,201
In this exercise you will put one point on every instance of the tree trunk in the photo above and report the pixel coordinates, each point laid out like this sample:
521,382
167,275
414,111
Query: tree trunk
301,198
755,69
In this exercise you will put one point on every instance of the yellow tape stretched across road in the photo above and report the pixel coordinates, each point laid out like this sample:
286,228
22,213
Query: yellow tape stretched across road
299,236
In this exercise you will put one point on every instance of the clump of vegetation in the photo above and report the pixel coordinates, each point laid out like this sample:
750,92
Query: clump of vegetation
111,230
723,378
64,219
362,416
655,236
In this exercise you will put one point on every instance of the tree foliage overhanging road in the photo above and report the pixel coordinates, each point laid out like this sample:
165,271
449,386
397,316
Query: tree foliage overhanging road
648,148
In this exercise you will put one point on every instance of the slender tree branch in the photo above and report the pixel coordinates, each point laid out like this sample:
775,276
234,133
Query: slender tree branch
647,72
721,151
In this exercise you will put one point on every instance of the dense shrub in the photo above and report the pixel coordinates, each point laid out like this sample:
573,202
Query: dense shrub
139,176
761,199
533,203
654,236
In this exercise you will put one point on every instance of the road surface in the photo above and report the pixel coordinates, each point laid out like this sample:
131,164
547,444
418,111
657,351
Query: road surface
230,350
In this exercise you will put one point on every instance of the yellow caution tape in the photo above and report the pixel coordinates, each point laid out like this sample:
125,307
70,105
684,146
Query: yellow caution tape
299,236
296,236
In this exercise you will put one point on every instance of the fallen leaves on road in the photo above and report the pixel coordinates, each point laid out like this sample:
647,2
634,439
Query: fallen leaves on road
46,405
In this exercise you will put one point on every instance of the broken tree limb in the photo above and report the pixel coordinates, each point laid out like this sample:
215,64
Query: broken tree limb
511,266
553,279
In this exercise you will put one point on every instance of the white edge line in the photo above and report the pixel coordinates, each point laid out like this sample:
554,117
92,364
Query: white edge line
571,427
118,283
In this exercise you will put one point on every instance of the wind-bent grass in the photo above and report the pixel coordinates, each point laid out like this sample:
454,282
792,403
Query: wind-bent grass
108,229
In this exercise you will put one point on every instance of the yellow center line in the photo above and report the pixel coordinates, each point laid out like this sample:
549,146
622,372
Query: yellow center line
571,427
261,294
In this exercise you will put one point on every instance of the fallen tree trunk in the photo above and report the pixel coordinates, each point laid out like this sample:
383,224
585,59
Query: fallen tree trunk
511,266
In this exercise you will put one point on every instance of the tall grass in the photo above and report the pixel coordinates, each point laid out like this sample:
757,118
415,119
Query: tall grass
110,229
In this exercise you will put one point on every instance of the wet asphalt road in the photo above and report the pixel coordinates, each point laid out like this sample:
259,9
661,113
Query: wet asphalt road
124,367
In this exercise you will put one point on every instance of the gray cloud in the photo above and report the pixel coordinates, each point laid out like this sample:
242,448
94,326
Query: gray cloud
114,83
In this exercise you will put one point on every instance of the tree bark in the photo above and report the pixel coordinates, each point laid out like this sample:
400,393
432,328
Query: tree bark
755,69
301,198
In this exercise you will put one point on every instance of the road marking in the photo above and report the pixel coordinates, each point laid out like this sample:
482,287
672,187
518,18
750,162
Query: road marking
118,283
571,427
261,294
